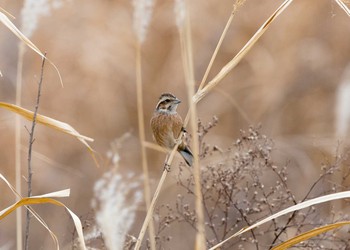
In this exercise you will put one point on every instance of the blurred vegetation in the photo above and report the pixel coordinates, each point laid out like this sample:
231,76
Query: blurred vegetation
286,83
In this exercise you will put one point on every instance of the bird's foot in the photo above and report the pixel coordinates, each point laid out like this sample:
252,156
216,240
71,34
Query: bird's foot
167,167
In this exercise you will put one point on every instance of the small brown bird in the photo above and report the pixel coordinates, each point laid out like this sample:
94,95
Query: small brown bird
167,125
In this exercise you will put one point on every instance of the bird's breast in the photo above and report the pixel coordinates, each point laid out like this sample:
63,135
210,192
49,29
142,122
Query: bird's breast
166,128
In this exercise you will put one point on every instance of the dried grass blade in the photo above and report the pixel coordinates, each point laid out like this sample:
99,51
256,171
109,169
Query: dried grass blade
309,234
43,200
343,6
230,65
53,236
7,13
9,185
57,194
47,121
50,122
302,205
6,21
187,55
218,46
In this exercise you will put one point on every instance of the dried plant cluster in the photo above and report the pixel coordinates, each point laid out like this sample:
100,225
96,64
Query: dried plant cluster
229,189
243,186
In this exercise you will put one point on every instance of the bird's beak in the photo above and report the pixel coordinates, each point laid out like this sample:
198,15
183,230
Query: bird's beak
177,101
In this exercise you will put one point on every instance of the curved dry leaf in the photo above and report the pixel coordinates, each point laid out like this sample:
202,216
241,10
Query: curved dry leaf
6,21
43,199
35,214
309,234
49,122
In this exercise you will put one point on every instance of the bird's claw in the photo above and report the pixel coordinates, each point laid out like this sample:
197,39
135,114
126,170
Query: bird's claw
167,167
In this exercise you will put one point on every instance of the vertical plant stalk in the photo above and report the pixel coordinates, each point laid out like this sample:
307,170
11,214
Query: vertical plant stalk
141,125
21,50
31,141
201,93
186,45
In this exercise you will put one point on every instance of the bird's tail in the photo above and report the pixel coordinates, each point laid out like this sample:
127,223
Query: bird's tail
187,155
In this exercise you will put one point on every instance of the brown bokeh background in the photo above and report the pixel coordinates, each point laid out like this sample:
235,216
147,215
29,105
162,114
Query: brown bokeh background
286,83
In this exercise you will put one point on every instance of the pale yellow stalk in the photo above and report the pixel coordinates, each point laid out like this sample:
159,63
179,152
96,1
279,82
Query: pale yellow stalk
19,230
141,125
201,93
240,55
343,6
186,44
213,57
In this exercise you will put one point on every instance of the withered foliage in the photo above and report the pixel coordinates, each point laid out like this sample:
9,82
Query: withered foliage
243,184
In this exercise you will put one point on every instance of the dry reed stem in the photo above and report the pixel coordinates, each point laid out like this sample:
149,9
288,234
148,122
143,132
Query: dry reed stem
7,13
155,196
18,185
228,24
202,93
187,55
343,6
229,66
233,63
142,136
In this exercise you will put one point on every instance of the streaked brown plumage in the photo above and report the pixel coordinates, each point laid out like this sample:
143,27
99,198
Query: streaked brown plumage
167,125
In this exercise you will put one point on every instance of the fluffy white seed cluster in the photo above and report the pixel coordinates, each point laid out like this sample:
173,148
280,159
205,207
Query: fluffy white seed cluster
116,200
180,12
342,104
142,17
33,10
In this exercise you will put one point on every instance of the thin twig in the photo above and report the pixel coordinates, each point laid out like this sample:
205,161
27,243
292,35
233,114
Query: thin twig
283,229
31,141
